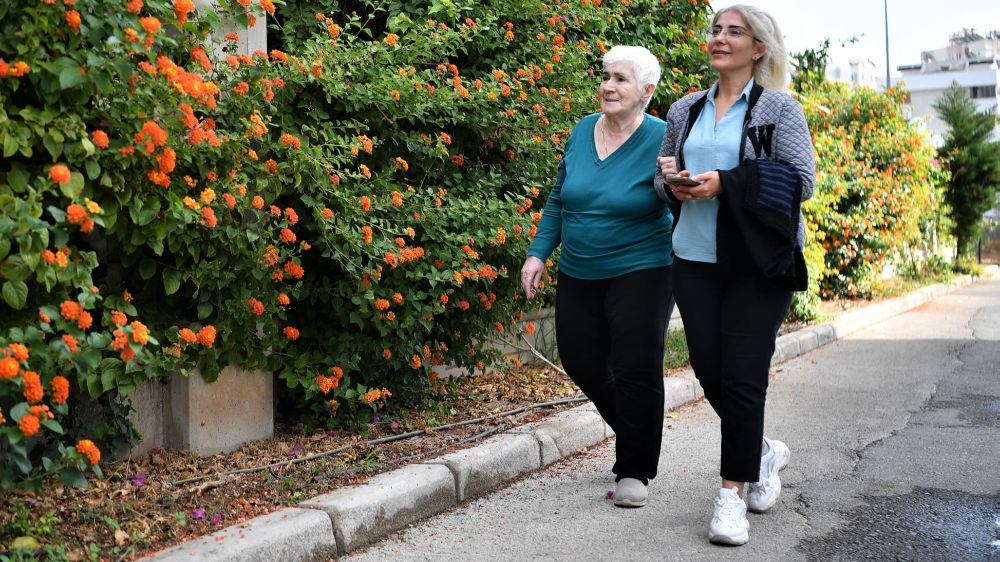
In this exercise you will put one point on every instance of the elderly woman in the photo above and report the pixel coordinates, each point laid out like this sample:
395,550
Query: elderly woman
738,243
613,296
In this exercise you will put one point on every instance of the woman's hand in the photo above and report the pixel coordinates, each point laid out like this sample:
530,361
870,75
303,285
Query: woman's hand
531,275
668,165
709,187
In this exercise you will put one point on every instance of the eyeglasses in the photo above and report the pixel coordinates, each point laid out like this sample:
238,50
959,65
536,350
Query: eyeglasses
731,32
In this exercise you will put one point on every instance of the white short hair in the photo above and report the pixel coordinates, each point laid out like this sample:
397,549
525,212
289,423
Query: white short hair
644,63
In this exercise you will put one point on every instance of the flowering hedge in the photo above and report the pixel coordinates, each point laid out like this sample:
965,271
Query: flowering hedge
875,186
343,210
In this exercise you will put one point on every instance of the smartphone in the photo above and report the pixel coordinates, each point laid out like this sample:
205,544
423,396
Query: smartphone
680,180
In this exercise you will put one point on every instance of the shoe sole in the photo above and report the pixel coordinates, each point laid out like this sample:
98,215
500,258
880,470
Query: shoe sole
784,455
738,540
630,503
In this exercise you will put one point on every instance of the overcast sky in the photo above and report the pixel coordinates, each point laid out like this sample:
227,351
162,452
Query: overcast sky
914,25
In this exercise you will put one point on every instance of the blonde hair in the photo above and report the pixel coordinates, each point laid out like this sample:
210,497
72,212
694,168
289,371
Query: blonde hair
771,71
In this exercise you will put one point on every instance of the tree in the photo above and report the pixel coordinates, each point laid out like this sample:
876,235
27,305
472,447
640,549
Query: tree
974,162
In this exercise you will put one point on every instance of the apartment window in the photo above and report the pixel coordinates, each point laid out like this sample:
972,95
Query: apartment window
983,91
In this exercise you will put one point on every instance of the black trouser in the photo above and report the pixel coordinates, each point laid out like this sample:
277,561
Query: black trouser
731,322
610,334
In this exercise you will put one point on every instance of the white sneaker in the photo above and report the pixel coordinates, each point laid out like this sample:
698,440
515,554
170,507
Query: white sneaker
763,494
729,522
630,492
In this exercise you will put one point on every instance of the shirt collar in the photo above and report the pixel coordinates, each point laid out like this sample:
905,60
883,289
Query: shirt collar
744,95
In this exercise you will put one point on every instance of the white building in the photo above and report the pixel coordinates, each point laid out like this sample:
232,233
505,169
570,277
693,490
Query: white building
971,60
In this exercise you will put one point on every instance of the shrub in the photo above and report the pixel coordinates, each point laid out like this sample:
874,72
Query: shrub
875,186
345,214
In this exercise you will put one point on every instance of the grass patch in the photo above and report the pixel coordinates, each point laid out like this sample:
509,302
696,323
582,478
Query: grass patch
676,355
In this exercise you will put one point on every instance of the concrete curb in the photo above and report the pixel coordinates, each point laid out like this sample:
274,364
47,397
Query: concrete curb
287,534
357,516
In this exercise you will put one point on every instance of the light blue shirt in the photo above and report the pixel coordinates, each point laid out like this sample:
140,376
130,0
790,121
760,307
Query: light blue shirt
709,146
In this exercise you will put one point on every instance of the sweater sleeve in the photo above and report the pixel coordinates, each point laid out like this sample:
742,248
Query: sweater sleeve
667,148
549,233
793,144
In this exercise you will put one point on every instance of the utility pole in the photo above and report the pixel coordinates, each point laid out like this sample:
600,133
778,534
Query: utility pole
885,4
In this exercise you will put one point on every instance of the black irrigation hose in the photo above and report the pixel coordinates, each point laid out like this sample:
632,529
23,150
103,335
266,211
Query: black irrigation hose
393,438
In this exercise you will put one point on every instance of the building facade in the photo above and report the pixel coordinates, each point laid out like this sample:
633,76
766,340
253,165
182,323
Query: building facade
972,60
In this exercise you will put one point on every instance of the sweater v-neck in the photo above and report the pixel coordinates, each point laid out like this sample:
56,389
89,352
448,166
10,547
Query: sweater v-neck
630,140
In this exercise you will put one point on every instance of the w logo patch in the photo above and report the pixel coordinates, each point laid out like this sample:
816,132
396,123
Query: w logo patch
761,138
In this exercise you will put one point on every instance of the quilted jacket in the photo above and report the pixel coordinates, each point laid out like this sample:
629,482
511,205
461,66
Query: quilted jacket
774,128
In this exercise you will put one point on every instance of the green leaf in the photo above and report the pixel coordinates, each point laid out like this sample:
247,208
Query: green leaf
4,248
73,477
53,426
17,178
93,169
14,269
204,310
74,187
71,77
15,294
172,280
10,145
147,268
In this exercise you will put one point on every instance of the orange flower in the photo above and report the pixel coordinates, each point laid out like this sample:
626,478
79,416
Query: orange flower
85,321
256,306
187,335
458,160
73,20
291,333
207,196
229,199
287,235
181,9
283,299
70,310
60,389
366,203
415,361
268,6
86,448
390,316
366,171
150,24
530,328
397,298
257,202
366,231
206,336
100,138
294,270
444,300
70,342
59,174
387,353
381,304
290,141
19,351
29,425
208,214
33,391
140,333
134,6
9,368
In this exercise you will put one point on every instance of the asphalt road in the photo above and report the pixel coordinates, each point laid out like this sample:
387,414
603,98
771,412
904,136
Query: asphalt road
895,440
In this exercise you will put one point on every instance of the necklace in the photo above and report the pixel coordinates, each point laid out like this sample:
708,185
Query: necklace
604,126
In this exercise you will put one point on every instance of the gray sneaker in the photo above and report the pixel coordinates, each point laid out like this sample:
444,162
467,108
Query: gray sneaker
630,492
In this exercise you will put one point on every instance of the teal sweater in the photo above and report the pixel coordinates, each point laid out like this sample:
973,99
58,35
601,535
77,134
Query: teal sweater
605,212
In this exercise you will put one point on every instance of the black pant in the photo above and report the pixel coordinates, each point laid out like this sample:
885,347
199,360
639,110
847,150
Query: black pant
610,334
731,322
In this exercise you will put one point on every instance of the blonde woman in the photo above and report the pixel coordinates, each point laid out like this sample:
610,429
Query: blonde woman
745,148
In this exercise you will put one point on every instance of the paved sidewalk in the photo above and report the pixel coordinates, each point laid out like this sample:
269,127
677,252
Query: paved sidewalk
350,518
